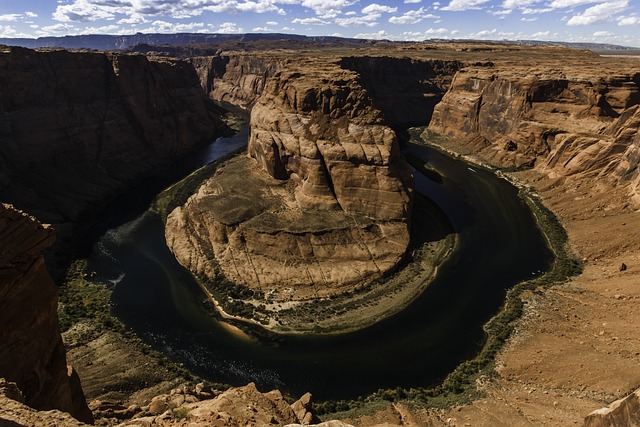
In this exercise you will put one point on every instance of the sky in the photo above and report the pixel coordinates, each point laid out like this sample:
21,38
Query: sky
599,21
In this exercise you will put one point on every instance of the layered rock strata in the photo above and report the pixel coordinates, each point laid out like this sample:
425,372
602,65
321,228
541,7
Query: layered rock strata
31,350
564,120
320,207
75,128
623,412
235,79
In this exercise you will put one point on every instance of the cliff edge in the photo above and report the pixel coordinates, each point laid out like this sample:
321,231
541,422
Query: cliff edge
78,127
31,350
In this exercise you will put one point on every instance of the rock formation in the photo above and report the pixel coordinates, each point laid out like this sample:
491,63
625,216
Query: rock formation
75,128
240,406
235,80
571,118
623,412
31,350
325,185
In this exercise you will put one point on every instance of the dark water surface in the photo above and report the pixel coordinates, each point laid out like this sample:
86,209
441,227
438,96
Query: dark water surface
499,245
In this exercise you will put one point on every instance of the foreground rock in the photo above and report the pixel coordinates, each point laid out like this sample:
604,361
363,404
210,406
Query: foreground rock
31,350
623,412
241,406
321,206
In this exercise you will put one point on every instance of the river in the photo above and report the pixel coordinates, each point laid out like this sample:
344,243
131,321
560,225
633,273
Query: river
498,246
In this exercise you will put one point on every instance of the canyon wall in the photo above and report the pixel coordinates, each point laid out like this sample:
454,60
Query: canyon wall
579,120
235,80
406,90
75,128
31,350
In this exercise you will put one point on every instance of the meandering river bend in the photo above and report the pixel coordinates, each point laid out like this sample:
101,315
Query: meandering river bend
498,246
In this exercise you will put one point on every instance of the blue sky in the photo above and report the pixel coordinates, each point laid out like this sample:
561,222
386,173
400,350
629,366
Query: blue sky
601,21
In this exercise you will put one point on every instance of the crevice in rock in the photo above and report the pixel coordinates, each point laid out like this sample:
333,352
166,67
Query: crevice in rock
405,90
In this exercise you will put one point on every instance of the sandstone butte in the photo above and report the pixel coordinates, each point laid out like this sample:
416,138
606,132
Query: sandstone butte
564,123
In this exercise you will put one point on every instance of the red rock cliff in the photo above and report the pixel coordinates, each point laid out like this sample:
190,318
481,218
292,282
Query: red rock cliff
579,118
31,350
77,127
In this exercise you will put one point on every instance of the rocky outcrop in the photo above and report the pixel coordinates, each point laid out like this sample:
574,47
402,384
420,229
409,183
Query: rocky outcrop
564,120
31,350
241,406
623,412
235,79
14,413
325,185
75,128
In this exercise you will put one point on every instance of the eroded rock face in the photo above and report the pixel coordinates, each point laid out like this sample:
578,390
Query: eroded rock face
236,80
31,350
577,120
77,127
623,412
321,206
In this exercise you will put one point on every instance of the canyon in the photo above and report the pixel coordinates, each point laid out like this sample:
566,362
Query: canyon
325,183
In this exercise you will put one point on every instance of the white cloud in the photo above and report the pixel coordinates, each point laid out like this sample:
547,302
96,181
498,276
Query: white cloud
530,11
501,12
561,4
229,28
359,21
412,1
160,26
81,11
603,34
412,17
309,21
518,4
459,5
533,19
540,34
134,19
600,13
483,34
629,20
374,36
7,17
56,30
378,8
10,32
327,8
106,29
261,30
271,23
93,10
30,14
